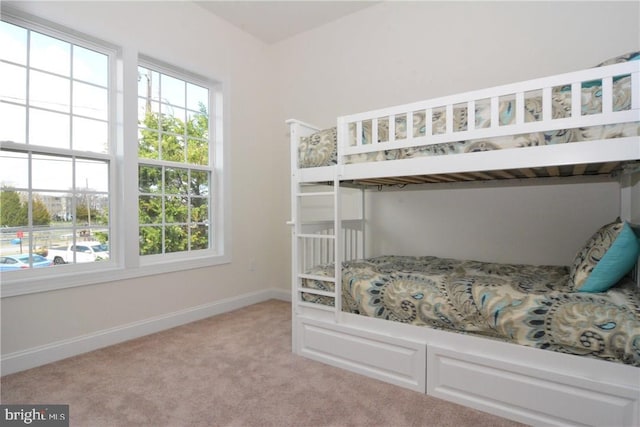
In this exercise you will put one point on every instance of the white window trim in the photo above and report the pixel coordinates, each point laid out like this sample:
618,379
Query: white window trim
125,262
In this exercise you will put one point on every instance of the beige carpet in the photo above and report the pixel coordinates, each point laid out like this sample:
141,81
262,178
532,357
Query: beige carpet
235,369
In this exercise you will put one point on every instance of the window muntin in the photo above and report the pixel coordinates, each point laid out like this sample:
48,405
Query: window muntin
174,172
55,160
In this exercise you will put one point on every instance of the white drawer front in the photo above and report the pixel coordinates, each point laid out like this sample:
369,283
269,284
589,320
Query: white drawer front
399,362
526,393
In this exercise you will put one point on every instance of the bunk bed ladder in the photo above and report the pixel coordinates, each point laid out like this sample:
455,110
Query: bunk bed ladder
317,243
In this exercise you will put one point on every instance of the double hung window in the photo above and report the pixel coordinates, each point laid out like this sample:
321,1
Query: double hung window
70,151
56,155
174,167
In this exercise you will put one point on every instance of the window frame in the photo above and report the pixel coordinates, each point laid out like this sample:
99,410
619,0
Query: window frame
125,261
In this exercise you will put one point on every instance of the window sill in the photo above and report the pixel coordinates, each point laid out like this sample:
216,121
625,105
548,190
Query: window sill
73,278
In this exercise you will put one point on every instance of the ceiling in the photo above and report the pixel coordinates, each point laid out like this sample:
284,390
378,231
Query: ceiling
273,21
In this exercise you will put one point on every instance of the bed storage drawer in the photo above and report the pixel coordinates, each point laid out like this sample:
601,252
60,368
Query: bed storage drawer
529,393
397,361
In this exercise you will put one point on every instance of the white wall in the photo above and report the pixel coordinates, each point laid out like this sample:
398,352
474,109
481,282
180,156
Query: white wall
183,34
399,52
516,223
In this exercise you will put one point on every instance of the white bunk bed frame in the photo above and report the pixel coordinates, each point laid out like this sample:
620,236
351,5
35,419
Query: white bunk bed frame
521,383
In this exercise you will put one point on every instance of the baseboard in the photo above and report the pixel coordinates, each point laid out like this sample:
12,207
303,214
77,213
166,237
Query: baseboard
281,294
41,355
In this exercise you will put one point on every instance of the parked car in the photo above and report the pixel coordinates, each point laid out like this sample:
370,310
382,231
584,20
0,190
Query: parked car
83,251
19,262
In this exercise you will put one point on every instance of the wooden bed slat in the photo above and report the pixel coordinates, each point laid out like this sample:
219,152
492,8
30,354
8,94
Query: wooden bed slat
528,173
461,177
553,171
521,173
607,167
504,174
579,169
482,175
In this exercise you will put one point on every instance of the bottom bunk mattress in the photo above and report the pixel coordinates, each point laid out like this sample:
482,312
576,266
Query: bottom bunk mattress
528,305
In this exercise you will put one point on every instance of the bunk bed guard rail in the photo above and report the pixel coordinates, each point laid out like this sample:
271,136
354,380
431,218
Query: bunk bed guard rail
394,127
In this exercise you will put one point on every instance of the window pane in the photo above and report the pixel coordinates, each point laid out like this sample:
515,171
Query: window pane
90,66
199,237
90,101
14,170
49,129
13,84
173,148
90,135
50,54
198,152
148,144
14,123
199,183
176,209
150,209
197,98
51,172
92,175
172,119
13,40
100,206
176,238
41,244
41,205
198,125
176,181
49,91
172,91
150,240
199,210
13,213
60,207
150,179
148,84
148,114
92,210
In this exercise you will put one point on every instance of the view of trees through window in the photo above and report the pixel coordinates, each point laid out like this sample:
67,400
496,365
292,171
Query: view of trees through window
173,172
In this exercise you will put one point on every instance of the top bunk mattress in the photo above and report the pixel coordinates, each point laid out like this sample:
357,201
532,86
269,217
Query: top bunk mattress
321,148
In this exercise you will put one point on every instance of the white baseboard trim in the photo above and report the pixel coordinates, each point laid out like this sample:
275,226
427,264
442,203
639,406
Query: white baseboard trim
48,353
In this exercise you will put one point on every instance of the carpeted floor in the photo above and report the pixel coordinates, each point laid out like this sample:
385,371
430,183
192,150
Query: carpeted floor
235,369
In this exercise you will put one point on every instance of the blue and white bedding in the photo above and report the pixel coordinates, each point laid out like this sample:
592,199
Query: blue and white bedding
529,305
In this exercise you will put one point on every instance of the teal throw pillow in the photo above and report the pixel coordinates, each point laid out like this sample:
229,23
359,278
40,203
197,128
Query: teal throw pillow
606,257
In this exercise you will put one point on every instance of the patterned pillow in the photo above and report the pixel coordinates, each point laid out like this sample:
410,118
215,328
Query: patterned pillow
606,257
318,149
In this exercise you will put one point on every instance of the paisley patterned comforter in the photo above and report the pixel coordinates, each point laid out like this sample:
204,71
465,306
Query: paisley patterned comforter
320,148
524,304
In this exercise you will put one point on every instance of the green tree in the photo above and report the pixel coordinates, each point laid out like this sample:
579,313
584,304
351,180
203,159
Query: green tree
82,213
165,137
12,212
40,213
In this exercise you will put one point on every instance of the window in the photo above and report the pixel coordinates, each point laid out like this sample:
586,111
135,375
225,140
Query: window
88,194
56,156
174,171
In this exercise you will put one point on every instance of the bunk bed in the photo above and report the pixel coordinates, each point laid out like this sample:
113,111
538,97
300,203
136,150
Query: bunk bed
538,344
